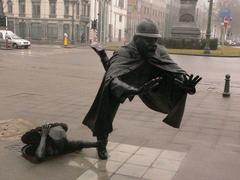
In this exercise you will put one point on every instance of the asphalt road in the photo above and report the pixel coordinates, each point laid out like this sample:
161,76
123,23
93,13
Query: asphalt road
212,69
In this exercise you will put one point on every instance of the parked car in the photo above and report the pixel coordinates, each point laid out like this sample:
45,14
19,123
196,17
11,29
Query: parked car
17,42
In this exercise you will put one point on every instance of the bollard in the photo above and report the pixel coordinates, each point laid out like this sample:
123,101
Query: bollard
226,92
65,40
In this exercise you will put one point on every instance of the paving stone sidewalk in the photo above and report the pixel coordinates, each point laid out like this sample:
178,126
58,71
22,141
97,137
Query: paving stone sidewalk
206,147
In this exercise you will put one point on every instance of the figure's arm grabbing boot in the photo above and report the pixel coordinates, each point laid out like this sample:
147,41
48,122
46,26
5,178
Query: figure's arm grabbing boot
102,147
41,149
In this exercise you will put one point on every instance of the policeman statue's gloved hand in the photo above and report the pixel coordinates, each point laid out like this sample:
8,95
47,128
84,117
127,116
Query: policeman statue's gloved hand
149,85
145,88
189,82
122,90
99,49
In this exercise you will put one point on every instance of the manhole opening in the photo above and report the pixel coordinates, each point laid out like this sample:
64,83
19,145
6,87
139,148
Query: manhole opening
13,128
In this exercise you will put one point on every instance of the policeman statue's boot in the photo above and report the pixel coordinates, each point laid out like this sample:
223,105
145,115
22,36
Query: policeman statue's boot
100,50
102,147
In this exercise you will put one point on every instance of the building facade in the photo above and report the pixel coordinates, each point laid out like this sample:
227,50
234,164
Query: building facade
118,20
47,20
111,17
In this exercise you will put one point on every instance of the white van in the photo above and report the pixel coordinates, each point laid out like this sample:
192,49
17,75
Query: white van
16,41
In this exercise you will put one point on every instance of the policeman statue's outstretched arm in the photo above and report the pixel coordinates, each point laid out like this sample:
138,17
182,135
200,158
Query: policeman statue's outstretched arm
122,90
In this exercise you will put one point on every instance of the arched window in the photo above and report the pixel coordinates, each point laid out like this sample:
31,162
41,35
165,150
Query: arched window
186,18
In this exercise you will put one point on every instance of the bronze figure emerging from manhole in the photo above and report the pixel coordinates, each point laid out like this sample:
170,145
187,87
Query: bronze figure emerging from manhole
48,141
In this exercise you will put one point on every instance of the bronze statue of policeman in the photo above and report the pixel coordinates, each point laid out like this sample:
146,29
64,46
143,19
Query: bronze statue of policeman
143,68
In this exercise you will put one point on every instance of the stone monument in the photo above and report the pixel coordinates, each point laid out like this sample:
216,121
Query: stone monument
186,27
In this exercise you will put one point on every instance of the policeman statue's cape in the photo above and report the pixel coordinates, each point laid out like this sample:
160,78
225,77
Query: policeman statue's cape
168,98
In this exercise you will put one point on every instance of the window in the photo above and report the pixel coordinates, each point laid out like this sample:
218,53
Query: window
36,8
36,31
77,9
84,9
119,35
22,29
10,6
88,10
11,26
66,29
21,8
66,8
52,8
120,18
121,4
83,34
52,31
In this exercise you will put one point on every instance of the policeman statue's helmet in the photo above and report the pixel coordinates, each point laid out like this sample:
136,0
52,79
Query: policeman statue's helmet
147,28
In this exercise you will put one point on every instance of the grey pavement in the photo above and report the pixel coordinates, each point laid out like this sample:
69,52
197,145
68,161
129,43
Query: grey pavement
55,84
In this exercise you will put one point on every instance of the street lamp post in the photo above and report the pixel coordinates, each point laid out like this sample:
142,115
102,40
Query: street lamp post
73,14
208,32
99,28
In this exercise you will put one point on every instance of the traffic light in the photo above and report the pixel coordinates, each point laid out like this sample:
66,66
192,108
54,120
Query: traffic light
94,24
2,20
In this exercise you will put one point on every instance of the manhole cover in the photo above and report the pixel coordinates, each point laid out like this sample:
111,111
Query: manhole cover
13,128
